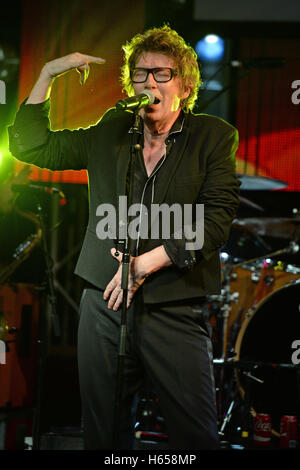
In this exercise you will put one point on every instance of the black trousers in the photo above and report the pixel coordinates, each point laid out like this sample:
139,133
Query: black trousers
165,343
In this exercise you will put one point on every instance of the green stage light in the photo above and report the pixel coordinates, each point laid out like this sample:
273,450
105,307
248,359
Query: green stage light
6,164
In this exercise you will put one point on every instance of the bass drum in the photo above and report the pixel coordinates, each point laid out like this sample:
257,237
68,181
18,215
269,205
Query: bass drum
266,336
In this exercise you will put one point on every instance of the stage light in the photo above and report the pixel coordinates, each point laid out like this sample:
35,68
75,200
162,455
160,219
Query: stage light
210,48
6,163
211,38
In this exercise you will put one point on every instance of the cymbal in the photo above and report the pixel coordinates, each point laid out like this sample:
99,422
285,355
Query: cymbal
260,183
278,227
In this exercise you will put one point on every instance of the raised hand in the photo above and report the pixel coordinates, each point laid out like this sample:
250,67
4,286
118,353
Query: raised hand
76,60
57,67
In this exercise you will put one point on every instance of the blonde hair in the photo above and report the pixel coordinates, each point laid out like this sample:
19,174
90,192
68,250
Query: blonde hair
164,40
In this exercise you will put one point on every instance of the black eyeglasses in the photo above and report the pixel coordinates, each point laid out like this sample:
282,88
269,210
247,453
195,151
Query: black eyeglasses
160,74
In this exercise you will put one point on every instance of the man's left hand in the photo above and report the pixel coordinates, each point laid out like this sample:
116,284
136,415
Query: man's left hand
137,275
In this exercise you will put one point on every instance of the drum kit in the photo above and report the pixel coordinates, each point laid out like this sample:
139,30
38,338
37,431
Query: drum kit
255,322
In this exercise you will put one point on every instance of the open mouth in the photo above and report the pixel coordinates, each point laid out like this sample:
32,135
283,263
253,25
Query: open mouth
150,108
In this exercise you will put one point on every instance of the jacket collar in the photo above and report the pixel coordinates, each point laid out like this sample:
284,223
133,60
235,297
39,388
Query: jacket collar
179,132
175,129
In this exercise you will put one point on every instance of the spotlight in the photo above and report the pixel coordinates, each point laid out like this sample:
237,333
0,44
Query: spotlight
210,48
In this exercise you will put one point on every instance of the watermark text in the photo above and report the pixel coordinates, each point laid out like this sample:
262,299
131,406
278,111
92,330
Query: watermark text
296,354
2,352
296,94
2,92
160,221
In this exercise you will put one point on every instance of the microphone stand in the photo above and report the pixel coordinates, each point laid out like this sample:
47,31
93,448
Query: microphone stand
135,148
43,333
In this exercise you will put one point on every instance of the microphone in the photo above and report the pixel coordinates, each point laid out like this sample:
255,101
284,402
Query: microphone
259,62
146,98
28,188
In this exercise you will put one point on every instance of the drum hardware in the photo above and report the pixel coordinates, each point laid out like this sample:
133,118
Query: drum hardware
248,365
236,403
250,376
246,406
292,248
289,268
269,280
255,277
251,204
250,311
24,249
233,333
226,299
227,419
243,403
280,227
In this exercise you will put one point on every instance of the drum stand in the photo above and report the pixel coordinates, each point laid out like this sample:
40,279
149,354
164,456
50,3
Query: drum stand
245,405
226,298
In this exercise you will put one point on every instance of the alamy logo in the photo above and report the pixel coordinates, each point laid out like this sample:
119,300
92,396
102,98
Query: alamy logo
296,354
2,92
296,94
2,352
160,222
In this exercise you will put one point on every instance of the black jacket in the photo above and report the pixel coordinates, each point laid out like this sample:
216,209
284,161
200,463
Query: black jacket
199,169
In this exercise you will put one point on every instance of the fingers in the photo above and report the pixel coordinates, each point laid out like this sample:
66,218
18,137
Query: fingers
115,299
84,71
114,294
92,59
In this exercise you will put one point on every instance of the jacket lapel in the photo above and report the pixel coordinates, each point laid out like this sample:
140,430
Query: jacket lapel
175,151
123,160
